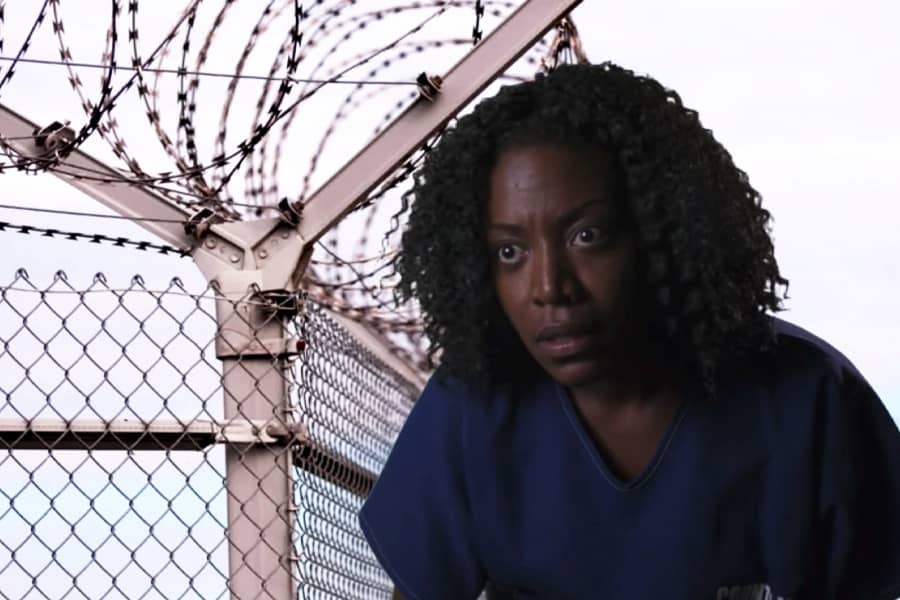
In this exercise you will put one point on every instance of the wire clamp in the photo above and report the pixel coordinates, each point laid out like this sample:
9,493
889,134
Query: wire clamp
285,304
199,223
291,212
429,86
256,431
54,137
565,42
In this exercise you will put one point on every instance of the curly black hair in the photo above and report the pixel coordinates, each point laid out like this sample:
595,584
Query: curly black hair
703,237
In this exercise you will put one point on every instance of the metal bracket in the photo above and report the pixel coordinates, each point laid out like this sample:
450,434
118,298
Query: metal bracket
278,348
257,431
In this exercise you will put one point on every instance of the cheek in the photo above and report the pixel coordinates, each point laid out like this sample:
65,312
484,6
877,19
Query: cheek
611,279
512,294
502,290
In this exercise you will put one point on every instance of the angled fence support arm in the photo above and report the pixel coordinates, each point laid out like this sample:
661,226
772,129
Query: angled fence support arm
154,213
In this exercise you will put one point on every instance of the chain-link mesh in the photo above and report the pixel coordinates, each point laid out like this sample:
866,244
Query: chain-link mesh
150,450
353,407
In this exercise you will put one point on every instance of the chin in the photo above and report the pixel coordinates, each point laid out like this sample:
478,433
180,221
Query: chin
577,373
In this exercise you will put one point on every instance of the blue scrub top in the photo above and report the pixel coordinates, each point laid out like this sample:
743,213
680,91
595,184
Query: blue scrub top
787,486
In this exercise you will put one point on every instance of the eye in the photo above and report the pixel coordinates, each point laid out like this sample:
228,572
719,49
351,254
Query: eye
590,236
509,254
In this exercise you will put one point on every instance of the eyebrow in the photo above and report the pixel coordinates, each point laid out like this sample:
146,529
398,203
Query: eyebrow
566,219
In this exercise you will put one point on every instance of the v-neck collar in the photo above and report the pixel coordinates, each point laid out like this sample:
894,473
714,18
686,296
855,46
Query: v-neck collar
597,458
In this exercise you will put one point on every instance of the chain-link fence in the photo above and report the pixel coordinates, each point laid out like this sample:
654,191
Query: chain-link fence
153,451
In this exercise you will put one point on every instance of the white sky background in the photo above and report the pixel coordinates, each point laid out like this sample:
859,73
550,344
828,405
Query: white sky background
802,93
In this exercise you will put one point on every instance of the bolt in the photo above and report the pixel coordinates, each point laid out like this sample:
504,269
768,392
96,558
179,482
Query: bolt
263,254
234,258
210,243
284,235
277,431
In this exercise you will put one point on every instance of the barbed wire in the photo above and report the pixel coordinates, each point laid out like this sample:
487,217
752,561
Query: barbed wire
290,108
477,34
96,238
184,73
77,213
10,71
308,53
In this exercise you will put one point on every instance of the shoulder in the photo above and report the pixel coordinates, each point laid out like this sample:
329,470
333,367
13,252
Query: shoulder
837,434
801,393
420,518
450,396
450,411
812,401
803,349
803,365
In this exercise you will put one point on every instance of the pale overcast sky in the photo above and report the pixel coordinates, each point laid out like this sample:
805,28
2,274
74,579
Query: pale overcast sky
804,95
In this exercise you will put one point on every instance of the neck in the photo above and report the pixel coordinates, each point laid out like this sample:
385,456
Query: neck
635,382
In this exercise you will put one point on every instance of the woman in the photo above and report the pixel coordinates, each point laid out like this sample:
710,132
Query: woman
617,414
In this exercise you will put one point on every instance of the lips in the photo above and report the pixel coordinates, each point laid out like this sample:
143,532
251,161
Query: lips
563,340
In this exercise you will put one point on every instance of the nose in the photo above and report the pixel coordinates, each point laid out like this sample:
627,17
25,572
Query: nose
553,281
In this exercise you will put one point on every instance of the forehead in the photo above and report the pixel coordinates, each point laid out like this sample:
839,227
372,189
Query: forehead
549,179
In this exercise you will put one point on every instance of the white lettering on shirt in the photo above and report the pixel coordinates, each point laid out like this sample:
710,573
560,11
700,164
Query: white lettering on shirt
759,591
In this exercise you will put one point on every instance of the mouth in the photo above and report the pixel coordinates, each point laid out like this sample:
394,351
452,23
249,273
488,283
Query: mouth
567,340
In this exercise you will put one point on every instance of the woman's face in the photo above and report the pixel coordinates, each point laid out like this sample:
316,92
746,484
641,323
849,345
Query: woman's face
563,258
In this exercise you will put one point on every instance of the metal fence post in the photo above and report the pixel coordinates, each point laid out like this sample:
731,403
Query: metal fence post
259,479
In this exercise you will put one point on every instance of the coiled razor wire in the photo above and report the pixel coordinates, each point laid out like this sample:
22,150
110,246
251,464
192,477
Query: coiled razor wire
170,64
